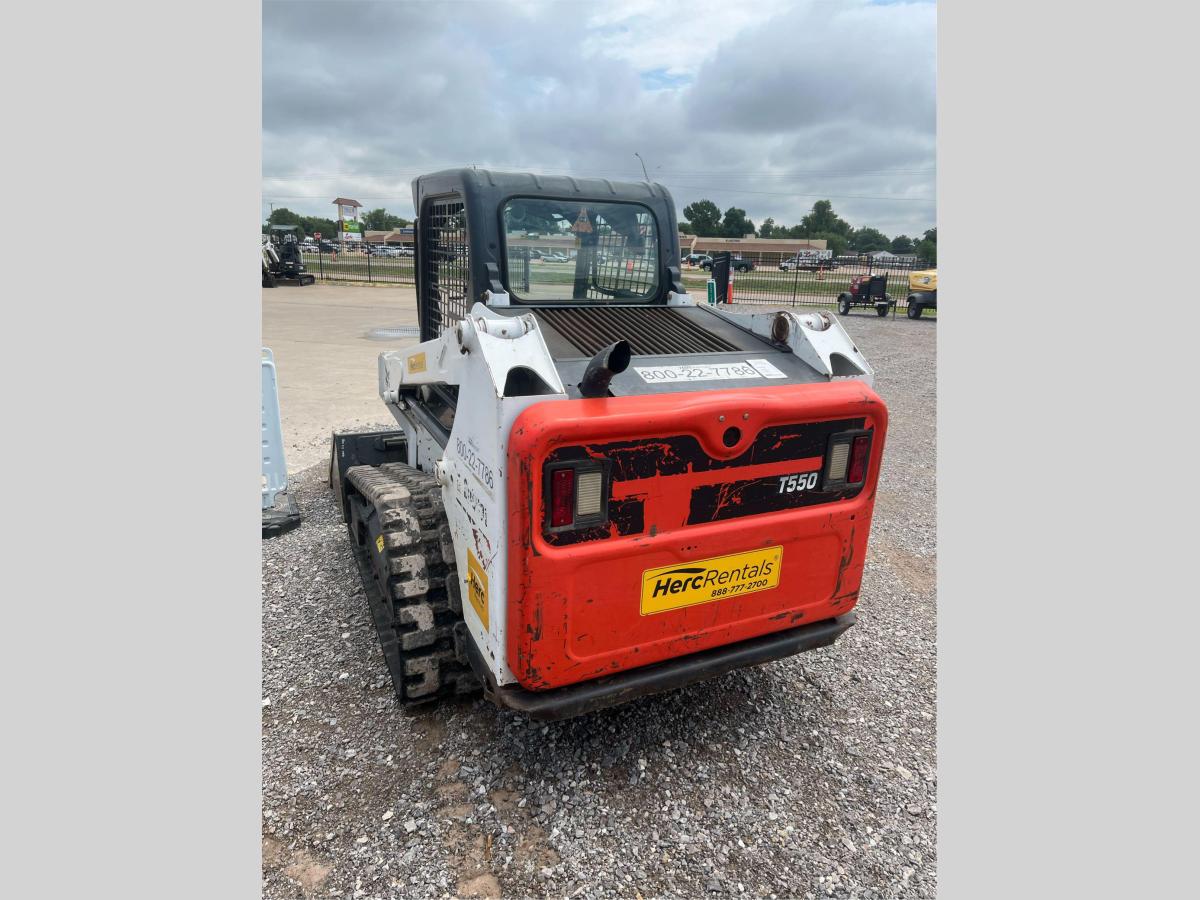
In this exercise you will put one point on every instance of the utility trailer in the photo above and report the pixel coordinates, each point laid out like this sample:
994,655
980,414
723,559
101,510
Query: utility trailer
600,489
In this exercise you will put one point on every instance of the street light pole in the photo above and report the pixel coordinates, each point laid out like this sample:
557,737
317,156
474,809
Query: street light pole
643,162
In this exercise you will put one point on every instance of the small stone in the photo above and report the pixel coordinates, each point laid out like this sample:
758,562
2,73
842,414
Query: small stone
904,773
410,826
387,815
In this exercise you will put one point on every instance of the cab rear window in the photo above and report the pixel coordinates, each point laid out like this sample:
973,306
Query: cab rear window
580,250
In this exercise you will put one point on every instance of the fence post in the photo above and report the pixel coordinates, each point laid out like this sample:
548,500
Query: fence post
369,255
795,281
320,262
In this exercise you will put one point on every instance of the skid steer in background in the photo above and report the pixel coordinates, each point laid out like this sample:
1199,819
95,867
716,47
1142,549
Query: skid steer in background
600,489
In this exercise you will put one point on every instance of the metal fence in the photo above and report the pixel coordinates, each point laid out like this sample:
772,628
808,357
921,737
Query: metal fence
775,279
359,265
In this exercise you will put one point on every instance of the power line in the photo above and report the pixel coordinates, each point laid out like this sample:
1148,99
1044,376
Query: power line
697,189
660,173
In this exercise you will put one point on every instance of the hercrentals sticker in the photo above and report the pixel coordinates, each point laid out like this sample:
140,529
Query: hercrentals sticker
477,587
705,580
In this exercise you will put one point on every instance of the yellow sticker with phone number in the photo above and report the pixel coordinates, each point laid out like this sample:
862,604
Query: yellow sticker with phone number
705,580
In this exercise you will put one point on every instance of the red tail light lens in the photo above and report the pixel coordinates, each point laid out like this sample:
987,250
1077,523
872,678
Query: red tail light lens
858,460
562,497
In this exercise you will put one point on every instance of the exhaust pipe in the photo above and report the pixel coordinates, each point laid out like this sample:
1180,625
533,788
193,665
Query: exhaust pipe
610,361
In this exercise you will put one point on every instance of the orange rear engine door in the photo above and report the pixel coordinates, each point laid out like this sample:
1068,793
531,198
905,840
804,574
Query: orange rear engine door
720,525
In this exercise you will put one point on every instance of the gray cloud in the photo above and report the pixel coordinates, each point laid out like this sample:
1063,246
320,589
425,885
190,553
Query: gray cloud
767,108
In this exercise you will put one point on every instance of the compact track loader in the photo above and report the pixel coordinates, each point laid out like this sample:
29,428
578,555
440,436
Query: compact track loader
600,489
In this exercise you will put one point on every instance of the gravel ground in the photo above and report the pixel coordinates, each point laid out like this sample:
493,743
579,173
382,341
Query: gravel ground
809,777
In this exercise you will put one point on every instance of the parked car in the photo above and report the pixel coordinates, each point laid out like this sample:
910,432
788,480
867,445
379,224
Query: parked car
697,259
384,251
808,264
405,251
736,263
555,257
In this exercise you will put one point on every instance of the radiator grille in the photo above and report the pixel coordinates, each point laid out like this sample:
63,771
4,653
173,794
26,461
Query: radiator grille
651,331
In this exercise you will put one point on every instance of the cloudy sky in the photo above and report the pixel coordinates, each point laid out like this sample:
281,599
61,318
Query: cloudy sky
768,105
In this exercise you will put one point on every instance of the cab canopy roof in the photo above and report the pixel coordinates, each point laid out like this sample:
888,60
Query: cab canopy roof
483,193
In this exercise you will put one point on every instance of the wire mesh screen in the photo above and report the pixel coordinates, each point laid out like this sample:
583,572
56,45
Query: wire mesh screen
580,250
624,266
444,266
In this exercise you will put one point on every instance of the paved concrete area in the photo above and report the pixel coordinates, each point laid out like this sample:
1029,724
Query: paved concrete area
325,363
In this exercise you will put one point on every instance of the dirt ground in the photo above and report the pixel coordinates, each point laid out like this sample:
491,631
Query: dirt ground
324,361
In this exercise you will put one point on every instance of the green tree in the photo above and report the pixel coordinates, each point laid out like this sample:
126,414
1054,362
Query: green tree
823,218
927,250
767,229
931,235
902,243
864,240
705,218
283,216
736,224
835,243
382,220
327,228
686,228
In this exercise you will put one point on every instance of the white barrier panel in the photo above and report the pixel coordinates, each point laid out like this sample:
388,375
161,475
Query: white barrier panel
274,468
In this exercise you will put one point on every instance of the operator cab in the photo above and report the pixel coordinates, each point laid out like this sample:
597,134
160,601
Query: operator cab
595,261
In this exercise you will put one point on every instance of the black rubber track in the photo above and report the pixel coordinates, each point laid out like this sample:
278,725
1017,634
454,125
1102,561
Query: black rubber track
405,556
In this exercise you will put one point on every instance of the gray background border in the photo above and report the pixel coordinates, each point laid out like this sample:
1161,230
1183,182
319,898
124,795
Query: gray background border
1066,754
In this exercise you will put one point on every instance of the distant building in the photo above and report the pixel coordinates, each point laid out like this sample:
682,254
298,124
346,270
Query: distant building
889,257
751,247
397,237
